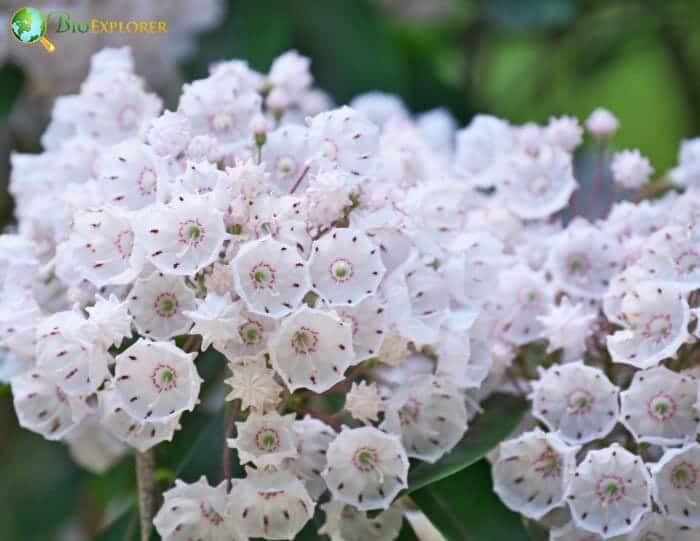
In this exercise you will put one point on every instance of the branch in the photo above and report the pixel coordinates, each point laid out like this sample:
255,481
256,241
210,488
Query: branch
226,452
145,466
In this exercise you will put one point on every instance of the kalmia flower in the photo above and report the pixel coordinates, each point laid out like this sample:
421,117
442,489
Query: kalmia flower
350,286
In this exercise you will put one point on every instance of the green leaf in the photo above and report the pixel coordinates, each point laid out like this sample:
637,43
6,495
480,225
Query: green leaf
501,414
12,79
465,508
407,533
123,528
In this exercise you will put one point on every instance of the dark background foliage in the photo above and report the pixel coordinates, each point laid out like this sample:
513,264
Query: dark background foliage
521,59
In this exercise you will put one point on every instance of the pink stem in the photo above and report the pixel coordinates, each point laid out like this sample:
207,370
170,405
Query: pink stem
598,180
301,177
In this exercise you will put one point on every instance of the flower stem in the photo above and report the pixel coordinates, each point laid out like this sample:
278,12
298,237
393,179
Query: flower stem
226,452
301,177
599,179
145,466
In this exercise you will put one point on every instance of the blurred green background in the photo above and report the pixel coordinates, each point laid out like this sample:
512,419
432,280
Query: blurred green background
520,59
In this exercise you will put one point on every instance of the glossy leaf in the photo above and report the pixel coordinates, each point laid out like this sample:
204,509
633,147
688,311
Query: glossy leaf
407,533
123,528
465,508
12,79
501,414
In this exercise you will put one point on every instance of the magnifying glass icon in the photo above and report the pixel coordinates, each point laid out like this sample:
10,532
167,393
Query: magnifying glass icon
28,26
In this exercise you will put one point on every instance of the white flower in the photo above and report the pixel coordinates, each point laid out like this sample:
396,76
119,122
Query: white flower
64,347
366,319
394,350
656,527
203,148
255,386
610,491
327,196
130,174
312,440
277,101
182,237
533,471
602,123
380,107
464,349
100,249
363,402
265,440
438,127
345,139
19,316
527,296
158,303
620,286
566,326
42,407
281,216
480,147
436,211
269,504
345,523
564,132
156,381
195,511
285,155
246,179
110,321
416,301
312,349
216,318
345,266
113,107
254,333
571,532
537,186
290,71
687,172
201,177
577,401
583,259
270,277
141,435
656,319
677,484
630,169
472,269
93,447
221,106
429,414
366,468
670,256
659,406
169,134
220,279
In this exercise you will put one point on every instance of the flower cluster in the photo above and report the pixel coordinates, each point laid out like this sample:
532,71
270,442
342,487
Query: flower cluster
611,450
357,250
